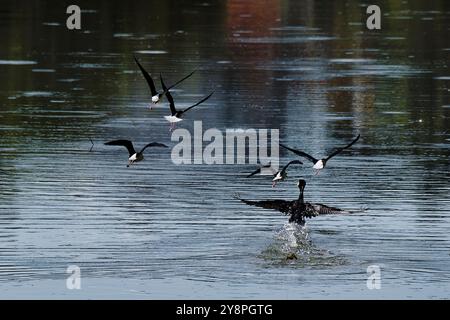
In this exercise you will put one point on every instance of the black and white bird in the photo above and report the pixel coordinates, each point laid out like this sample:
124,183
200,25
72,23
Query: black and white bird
278,176
175,115
298,210
319,164
157,96
133,155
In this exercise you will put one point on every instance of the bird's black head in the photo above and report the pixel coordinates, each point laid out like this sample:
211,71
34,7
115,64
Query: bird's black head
301,184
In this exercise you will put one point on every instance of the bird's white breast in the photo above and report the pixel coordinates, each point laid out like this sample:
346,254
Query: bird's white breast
318,165
155,99
133,157
278,177
172,119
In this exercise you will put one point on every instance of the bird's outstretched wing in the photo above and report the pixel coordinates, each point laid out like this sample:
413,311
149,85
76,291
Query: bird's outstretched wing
147,77
300,153
169,97
289,163
126,143
269,165
179,81
200,102
154,144
339,150
321,209
254,172
279,205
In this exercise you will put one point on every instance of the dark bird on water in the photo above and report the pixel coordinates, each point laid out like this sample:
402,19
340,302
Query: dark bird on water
156,96
298,210
175,115
133,155
278,175
319,164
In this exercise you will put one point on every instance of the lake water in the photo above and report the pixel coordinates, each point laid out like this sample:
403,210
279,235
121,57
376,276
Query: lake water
160,230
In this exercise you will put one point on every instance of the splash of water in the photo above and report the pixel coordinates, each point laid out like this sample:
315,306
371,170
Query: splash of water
292,245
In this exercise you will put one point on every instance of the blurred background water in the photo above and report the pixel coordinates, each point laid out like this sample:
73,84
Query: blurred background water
157,230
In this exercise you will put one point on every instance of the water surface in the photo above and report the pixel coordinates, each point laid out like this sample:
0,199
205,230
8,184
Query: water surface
158,230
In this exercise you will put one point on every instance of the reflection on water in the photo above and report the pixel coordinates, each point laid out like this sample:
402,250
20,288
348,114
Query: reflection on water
309,69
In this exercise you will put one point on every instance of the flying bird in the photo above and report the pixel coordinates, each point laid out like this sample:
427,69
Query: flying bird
278,175
157,96
133,155
175,115
92,144
319,164
298,210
